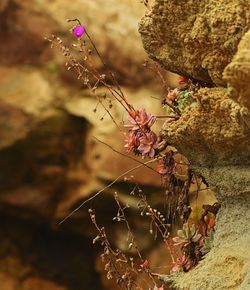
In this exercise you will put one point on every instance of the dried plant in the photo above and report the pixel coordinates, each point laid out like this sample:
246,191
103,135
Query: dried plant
117,265
194,240
131,239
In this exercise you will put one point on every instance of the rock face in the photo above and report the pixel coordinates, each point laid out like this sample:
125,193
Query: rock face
215,127
195,38
237,73
209,41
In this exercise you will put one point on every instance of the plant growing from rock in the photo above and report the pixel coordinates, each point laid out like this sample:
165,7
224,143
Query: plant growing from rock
181,97
194,239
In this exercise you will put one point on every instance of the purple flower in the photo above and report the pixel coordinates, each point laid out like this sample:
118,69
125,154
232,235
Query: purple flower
140,119
148,144
78,30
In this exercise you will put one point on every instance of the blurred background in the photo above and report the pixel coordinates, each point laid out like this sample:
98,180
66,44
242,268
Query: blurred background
49,161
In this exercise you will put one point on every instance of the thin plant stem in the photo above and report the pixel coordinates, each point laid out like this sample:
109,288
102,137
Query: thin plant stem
125,155
106,187
121,210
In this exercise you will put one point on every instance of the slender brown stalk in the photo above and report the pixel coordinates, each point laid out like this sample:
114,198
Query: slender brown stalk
106,187
175,109
125,155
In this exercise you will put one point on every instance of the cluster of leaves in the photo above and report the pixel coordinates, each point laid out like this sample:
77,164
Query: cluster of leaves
195,238
182,97
140,139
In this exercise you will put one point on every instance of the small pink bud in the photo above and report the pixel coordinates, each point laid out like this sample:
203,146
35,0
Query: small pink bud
78,30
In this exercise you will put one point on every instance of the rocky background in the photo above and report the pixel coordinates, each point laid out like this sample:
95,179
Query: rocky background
49,160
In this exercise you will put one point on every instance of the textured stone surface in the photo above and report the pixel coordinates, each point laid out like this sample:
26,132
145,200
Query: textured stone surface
213,132
237,73
199,39
195,38
216,139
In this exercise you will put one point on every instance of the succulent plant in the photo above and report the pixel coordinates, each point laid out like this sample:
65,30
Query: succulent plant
181,99
187,235
185,100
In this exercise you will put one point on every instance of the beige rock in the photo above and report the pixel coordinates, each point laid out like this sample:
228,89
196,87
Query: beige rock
237,73
25,97
199,40
26,89
212,132
194,38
